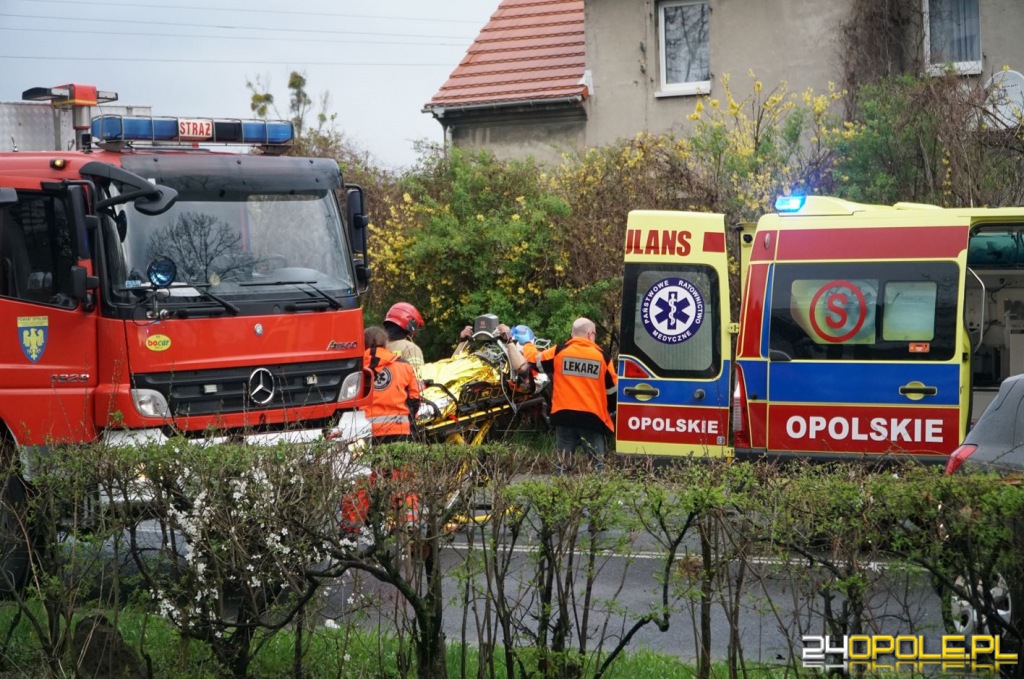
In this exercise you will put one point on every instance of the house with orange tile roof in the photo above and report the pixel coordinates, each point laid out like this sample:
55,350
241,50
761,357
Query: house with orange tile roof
521,88
548,77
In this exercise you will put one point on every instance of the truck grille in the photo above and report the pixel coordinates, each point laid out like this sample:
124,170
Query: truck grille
248,388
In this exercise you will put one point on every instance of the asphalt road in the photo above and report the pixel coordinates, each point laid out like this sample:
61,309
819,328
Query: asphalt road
778,602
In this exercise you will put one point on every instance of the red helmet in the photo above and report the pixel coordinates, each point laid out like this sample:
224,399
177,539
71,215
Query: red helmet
405,316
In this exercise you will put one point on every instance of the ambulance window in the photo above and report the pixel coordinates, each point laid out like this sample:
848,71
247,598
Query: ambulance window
851,311
671,319
996,249
835,311
909,311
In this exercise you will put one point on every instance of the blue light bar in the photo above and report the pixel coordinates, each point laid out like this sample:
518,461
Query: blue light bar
111,128
789,203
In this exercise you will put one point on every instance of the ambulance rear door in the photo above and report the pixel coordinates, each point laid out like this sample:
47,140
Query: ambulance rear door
864,355
675,356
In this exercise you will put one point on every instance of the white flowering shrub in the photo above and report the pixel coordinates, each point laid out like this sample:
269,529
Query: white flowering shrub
233,541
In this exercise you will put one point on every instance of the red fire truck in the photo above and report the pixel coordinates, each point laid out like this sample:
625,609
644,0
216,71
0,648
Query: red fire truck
152,287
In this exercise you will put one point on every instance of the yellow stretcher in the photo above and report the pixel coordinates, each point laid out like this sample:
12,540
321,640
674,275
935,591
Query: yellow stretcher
466,395
463,399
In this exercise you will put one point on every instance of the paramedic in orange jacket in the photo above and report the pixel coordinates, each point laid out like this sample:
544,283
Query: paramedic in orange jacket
396,390
583,394
396,398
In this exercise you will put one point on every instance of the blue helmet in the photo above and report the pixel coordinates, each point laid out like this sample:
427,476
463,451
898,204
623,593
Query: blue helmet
522,334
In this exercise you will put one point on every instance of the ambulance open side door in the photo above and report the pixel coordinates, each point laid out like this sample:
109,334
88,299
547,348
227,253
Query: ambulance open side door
675,357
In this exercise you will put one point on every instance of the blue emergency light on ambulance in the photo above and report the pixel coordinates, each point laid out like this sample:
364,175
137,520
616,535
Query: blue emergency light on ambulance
789,203
113,128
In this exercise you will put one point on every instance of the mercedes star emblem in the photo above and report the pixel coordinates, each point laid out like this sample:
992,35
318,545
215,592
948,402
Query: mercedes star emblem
261,386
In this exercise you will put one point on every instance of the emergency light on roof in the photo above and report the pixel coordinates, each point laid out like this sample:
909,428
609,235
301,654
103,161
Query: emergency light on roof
789,203
111,128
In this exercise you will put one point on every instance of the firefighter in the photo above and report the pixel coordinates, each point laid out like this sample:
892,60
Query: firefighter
583,395
396,398
402,322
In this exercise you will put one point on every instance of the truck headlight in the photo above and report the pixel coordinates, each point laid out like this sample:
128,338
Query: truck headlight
351,387
150,403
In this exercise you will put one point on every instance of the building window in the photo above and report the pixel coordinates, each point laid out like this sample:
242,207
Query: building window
685,54
952,36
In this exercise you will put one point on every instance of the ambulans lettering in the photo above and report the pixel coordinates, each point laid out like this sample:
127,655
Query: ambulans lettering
581,367
680,425
658,242
672,310
894,429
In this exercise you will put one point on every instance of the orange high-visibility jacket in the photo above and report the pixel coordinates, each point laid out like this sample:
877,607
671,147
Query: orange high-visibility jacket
583,384
396,393
530,353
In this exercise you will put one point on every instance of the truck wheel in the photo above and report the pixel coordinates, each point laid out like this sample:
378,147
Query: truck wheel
965,619
14,539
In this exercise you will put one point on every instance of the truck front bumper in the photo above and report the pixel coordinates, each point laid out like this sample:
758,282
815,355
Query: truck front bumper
352,427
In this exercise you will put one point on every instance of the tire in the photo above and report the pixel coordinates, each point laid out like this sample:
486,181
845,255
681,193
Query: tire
14,541
965,619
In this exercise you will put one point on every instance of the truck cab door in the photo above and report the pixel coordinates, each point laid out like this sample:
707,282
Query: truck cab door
48,335
675,359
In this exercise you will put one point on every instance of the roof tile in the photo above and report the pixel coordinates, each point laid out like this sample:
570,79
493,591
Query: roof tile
529,50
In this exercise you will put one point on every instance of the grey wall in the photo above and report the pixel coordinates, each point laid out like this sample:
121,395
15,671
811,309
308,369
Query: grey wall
791,40
521,133
796,41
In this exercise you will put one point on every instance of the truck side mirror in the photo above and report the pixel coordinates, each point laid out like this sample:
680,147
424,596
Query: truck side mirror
82,285
358,220
363,275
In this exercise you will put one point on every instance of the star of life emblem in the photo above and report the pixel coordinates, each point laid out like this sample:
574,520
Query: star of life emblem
672,310
382,380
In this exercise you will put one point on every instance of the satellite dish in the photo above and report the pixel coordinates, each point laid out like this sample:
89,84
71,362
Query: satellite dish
1006,99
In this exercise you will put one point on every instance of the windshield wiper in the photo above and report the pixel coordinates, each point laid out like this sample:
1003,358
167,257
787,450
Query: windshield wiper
331,300
154,295
335,304
219,300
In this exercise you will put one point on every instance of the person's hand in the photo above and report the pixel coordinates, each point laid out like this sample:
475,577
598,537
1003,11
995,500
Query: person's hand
466,333
503,332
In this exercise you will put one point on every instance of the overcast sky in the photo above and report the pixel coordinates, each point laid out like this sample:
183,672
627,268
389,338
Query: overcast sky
379,61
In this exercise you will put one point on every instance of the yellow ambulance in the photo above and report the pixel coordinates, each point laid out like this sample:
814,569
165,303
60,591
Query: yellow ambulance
858,330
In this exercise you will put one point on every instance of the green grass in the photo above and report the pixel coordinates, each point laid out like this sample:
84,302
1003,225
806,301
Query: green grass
345,652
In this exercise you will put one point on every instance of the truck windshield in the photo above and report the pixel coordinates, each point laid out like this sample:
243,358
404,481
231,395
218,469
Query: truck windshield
244,246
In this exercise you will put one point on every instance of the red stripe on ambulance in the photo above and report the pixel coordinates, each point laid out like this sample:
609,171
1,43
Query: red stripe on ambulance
863,429
757,411
753,311
661,424
894,242
714,242
763,249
